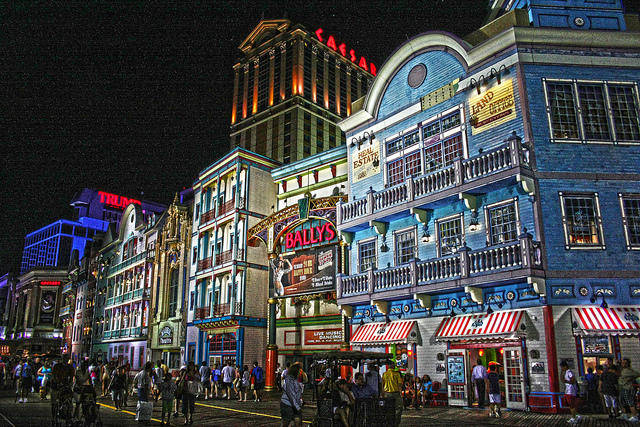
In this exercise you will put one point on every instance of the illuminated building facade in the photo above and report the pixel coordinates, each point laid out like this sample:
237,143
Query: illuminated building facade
305,257
496,194
291,87
228,279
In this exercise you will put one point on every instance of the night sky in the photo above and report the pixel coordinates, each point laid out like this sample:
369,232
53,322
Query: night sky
135,97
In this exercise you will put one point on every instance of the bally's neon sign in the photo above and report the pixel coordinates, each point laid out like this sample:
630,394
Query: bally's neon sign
319,234
331,42
116,201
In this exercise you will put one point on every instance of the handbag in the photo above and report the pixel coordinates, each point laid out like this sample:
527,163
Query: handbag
194,387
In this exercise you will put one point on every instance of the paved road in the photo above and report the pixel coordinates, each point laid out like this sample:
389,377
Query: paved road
230,413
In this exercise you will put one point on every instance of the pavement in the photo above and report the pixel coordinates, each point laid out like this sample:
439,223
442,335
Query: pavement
231,413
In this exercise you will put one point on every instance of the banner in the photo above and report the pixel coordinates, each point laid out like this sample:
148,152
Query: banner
47,306
307,271
493,107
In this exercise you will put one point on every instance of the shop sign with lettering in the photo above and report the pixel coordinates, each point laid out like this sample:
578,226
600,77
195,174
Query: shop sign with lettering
322,336
166,335
310,233
305,272
493,107
114,201
330,41
366,161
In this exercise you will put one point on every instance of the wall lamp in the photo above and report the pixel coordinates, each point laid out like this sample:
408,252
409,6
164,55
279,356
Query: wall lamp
595,297
362,139
483,81
473,223
425,234
384,247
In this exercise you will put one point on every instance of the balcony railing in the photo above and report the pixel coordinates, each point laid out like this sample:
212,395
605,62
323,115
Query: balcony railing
509,155
66,310
67,287
221,258
217,310
207,216
432,275
203,264
126,263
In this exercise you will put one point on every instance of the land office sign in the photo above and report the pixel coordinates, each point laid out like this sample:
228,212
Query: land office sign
493,107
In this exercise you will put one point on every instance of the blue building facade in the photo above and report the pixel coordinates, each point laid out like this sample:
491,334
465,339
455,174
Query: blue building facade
495,201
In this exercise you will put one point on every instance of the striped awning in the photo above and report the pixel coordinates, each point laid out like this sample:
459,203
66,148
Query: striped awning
498,324
623,320
385,333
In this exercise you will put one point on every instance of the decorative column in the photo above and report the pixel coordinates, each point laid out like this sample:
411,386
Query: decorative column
345,371
272,348
552,357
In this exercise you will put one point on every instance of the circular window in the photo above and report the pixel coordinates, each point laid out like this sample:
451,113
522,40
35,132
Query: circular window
417,75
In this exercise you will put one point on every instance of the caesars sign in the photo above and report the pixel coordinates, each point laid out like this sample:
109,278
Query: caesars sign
309,263
363,161
494,107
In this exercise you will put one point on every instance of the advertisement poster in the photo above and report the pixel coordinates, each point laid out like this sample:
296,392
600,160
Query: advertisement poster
166,335
322,336
455,370
493,107
307,271
47,306
363,161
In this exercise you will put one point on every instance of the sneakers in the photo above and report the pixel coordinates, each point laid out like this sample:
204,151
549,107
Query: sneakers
20,400
206,398
572,421
633,420
624,417
25,400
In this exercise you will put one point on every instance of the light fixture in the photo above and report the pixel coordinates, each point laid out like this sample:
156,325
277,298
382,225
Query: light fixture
604,303
376,163
523,327
354,141
453,313
489,309
473,224
425,234
361,321
595,296
399,315
473,83
384,247
506,71
386,319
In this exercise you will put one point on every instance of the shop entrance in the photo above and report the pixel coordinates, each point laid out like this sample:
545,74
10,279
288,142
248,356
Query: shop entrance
510,369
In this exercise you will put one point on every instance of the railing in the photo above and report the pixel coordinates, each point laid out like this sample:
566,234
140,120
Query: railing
67,287
126,263
109,301
136,331
227,206
65,310
203,264
509,155
138,293
202,312
224,257
523,253
214,311
208,216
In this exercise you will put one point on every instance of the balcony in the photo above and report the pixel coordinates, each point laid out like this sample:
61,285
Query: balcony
503,162
67,288
508,262
206,263
220,259
208,216
217,310
67,310
126,263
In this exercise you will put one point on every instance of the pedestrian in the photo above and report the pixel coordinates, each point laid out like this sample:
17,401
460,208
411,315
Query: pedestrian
127,389
427,386
372,377
291,401
257,381
345,400
205,375
228,375
245,383
627,391
361,389
26,381
82,378
142,382
215,381
117,385
156,379
190,389
44,375
278,376
3,368
180,384
593,399
105,371
494,391
392,385
167,390
479,377
570,392
609,388
17,379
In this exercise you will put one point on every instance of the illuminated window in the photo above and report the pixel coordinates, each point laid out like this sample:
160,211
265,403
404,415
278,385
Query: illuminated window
582,221
366,255
592,111
405,245
450,235
630,205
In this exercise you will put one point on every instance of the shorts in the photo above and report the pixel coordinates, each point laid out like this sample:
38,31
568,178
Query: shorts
610,401
288,413
225,385
571,401
117,394
627,397
494,398
206,384
257,386
167,406
26,383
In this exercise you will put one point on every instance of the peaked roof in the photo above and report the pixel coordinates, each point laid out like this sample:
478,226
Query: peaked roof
267,27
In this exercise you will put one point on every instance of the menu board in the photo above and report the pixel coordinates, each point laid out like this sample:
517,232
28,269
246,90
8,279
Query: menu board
455,369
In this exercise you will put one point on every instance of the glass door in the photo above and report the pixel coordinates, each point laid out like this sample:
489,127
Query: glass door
457,373
514,378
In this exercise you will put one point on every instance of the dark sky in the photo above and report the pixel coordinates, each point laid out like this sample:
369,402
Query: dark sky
131,97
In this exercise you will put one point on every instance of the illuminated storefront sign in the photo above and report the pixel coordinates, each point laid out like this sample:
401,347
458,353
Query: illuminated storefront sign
166,335
366,162
321,234
322,336
351,55
493,107
49,283
307,271
115,201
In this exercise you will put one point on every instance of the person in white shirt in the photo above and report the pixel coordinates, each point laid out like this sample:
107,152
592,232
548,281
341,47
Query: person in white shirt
570,392
479,376
228,375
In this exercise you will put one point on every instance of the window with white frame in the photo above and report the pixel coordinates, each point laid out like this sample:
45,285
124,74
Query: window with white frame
405,245
503,222
402,168
450,234
593,111
582,221
366,255
442,153
630,206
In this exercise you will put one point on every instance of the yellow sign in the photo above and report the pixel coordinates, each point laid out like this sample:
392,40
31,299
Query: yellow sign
366,161
492,108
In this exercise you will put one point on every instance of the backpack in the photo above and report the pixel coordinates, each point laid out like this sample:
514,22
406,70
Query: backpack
259,374
27,372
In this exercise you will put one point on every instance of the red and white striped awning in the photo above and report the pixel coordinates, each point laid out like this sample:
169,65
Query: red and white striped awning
480,326
385,333
624,320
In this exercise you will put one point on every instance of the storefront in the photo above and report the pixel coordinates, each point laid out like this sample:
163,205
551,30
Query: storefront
399,338
603,333
497,338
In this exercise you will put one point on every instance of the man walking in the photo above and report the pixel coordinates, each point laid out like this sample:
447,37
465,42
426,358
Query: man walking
479,377
392,384
228,375
570,392
257,378
627,392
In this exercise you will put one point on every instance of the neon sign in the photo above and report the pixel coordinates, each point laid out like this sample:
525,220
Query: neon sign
342,48
310,236
50,283
116,201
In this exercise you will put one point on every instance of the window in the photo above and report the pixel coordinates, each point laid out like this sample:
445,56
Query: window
502,223
173,293
403,142
404,167
405,244
450,235
630,205
440,154
592,111
582,221
366,255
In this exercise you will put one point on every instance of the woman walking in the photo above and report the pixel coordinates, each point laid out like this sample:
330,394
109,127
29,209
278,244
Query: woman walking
191,387
291,402
117,386
44,376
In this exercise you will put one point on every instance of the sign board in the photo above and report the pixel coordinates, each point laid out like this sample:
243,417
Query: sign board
166,335
455,369
493,107
322,336
362,162
307,271
47,306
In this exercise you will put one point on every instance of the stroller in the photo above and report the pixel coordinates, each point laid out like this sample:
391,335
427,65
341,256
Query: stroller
62,407
90,409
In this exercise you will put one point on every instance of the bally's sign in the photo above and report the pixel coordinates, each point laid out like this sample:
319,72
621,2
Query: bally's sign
493,107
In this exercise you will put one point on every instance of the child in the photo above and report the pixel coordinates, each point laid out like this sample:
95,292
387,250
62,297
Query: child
494,391
167,389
